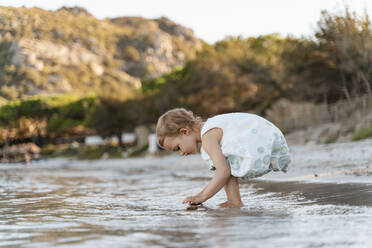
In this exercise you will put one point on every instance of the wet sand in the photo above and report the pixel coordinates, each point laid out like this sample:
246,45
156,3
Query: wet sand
339,174
338,163
350,194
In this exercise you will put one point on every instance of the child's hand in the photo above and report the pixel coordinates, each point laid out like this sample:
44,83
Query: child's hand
193,200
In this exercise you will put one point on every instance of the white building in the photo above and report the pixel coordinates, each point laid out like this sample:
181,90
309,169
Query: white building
153,146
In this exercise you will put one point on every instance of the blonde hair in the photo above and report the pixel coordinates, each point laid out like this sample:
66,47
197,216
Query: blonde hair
173,120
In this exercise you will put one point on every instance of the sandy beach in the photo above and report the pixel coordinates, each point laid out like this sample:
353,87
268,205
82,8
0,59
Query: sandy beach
338,162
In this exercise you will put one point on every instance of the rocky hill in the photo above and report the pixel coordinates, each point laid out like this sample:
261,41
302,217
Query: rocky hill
70,51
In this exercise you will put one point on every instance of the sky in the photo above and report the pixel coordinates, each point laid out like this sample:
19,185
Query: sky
213,20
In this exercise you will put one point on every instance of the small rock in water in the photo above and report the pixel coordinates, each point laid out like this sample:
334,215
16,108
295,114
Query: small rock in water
194,206
191,208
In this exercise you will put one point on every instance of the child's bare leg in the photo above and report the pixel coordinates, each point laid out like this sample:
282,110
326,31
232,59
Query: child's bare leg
232,193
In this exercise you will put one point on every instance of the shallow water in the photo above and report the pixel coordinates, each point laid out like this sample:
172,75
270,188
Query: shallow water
137,203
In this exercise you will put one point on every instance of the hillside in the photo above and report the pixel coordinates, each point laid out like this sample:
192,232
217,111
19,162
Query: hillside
70,51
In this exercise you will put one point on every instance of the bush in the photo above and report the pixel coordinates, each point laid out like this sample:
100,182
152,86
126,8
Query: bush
131,53
362,133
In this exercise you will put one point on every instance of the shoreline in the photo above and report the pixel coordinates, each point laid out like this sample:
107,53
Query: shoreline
349,162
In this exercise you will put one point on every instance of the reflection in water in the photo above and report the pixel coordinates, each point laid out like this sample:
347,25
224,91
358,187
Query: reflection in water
134,203
353,194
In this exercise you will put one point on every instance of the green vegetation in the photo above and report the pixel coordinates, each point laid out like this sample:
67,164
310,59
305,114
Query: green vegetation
362,133
82,152
138,152
70,51
250,74
48,118
331,139
110,118
234,74
43,116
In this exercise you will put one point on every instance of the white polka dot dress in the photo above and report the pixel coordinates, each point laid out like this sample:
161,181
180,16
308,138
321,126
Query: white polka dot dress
252,145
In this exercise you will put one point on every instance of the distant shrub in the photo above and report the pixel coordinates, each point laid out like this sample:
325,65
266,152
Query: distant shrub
131,53
331,139
62,111
362,133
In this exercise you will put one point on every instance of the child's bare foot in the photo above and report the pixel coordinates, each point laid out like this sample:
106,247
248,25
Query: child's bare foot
228,204
223,204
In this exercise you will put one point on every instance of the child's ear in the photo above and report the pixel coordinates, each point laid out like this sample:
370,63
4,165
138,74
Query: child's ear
184,131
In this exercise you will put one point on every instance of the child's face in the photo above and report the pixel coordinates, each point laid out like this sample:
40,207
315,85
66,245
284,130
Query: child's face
185,143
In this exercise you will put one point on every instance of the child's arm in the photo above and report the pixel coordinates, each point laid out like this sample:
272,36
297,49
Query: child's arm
210,143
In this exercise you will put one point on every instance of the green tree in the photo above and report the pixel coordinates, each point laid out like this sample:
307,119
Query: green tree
111,117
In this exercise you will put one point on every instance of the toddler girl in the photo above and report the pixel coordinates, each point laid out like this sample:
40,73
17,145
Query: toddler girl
235,145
